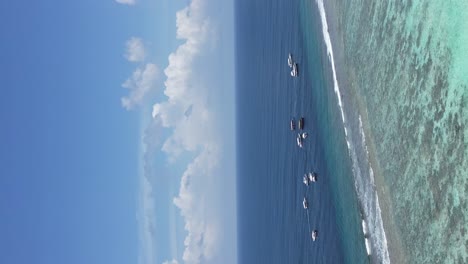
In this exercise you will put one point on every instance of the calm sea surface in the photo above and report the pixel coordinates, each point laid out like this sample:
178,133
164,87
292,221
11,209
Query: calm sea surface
273,226
383,88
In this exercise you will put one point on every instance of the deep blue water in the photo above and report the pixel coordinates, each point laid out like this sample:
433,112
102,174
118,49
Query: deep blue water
273,227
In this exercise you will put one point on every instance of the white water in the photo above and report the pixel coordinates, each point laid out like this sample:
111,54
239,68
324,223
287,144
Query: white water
370,202
364,185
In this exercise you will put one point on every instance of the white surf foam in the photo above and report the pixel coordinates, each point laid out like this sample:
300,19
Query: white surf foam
374,213
365,188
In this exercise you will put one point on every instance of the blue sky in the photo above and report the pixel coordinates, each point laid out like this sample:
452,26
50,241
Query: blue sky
117,132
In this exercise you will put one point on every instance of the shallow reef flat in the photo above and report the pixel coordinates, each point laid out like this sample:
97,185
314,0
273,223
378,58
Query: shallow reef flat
407,66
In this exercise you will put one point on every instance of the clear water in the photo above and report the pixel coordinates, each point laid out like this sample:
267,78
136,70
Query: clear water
273,226
389,135
404,70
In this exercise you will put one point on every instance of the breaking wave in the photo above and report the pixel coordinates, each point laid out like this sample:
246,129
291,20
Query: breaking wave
362,170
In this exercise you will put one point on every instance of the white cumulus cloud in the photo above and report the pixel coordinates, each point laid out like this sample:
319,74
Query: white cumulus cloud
191,125
193,122
126,2
193,202
142,82
135,50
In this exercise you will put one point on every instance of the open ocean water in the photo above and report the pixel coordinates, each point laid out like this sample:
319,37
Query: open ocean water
273,226
383,89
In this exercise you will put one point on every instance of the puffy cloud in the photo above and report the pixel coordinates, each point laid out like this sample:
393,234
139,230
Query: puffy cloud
126,2
193,202
169,113
142,82
193,123
193,27
135,50
193,127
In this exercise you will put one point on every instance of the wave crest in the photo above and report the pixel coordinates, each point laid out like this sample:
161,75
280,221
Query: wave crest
362,170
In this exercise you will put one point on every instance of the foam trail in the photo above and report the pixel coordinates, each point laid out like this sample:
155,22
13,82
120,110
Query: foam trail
369,199
365,193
